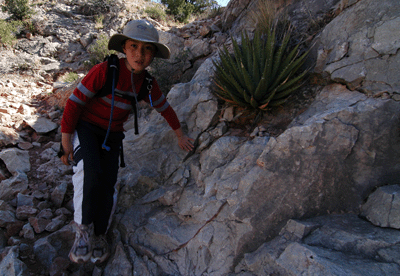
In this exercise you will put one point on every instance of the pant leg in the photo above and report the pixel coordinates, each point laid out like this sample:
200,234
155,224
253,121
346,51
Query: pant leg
95,175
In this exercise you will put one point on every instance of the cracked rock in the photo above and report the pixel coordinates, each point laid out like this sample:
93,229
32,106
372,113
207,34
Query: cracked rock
383,207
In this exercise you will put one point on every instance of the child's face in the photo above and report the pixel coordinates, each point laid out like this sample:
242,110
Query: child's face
138,54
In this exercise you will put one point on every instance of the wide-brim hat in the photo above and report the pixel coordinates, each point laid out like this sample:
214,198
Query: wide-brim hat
140,30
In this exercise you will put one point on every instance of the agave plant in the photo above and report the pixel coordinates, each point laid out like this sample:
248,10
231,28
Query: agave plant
260,73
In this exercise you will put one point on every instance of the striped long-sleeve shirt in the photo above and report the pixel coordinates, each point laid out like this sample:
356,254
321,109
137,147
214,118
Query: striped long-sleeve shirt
83,105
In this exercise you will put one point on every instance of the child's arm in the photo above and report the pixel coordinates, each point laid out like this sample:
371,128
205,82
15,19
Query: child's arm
67,147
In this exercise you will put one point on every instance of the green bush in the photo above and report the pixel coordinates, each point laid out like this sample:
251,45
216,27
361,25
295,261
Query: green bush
71,77
99,50
262,73
19,9
156,13
180,9
8,30
183,9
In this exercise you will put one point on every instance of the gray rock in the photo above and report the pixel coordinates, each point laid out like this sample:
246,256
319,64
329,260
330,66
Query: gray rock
57,196
27,232
12,266
365,57
12,186
16,160
8,136
25,212
336,245
40,124
57,244
383,207
119,264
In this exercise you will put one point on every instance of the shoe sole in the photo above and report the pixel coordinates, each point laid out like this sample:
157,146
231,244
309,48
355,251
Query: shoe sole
79,260
99,260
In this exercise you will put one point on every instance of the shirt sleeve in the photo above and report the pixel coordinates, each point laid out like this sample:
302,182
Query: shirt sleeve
82,94
160,103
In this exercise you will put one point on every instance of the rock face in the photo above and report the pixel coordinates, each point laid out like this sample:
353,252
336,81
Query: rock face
237,204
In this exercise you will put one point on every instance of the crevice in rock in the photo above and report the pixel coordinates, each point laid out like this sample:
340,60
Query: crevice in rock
198,231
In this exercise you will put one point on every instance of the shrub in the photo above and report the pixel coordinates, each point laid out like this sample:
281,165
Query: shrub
99,50
8,30
71,77
19,9
156,13
262,73
183,9
180,9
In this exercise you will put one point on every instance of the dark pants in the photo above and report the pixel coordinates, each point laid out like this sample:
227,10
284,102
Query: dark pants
96,174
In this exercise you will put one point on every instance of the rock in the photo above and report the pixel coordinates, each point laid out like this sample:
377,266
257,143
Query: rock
364,68
25,212
8,136
334,245
39,224
57,196
26,200
119,264
16,160
12,266
383,207
57,244
12,186
27,232
41,125
56,223
46,214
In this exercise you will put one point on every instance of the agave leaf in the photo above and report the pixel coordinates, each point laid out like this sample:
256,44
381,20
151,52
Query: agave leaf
256,55
247,52
232,86
279,53
288,84
288,70
278,102
289,58
253,103
268,97
269,54
234,97
248,81
287,92
261,89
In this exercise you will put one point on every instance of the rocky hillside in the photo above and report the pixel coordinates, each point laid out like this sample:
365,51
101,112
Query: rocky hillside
289,197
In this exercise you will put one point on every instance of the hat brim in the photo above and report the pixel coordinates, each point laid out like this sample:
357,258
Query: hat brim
115,43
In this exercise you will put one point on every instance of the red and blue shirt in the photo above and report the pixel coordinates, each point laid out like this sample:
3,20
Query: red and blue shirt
83,105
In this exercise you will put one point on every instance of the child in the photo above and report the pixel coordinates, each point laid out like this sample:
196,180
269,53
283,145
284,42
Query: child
84,126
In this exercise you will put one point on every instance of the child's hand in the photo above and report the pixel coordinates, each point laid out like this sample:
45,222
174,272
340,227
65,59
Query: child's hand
186,143
68,149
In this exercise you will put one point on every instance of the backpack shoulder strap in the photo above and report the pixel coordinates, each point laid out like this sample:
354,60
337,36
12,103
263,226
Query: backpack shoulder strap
147,85
112,68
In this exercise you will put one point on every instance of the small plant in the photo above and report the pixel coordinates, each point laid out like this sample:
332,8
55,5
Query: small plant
262,73
19,9
71,77
156,13
8,31
99,21
99,50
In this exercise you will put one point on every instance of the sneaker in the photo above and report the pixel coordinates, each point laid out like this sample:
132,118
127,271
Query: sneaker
82,248
101,249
